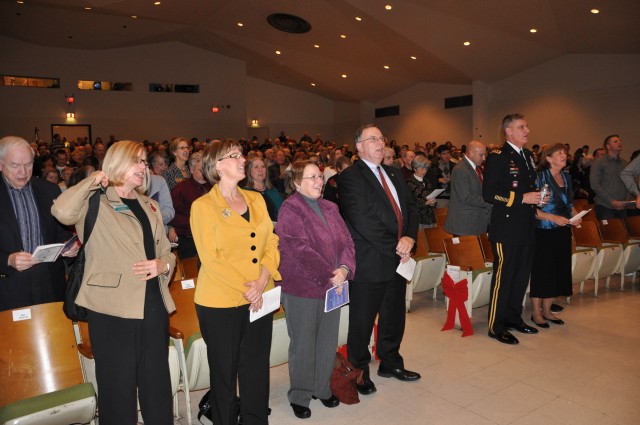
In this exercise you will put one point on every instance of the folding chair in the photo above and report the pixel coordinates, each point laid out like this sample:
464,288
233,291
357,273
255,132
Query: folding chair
428,272
39,370
613,231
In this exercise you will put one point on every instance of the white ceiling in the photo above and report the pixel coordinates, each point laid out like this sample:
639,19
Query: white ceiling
431,30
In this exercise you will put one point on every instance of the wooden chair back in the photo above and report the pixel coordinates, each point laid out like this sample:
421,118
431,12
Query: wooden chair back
435,239
580,204
184,318
441,216
633,226
37,355
613,231
487,250
421,245
464,251
587,234
190,267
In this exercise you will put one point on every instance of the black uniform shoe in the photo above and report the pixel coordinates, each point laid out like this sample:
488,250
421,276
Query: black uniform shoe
505,337
523,328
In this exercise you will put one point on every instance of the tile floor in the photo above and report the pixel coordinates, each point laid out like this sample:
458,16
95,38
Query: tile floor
585,372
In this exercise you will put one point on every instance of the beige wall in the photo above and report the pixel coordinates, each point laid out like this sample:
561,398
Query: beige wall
576,99
423,117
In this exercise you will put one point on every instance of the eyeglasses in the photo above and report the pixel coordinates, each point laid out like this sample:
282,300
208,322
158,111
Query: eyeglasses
315,177
374,139
233,155
142,161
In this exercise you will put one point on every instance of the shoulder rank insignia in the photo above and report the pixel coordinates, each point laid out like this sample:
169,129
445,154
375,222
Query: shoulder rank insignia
496,151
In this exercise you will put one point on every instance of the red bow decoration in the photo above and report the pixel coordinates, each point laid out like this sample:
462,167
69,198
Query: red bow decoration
457,294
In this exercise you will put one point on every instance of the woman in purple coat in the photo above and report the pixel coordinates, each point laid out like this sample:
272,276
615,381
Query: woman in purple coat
316,253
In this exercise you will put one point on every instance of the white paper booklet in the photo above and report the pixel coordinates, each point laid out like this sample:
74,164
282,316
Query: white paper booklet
579,215
270,302
50,253
406,269
435,193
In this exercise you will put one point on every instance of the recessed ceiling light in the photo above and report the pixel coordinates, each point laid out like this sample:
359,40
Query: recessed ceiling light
388,7
386,67
313,84
317,46
278,52
343,36
87,8
157,3
358,18
134,16
595,11
20,2
533,30
414,58
344,75
467,43
240,24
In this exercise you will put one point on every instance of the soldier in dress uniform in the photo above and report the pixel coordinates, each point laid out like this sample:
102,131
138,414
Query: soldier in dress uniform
509,184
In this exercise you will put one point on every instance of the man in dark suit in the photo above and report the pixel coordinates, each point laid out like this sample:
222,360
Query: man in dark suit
383,223
468,212
25,223
509,184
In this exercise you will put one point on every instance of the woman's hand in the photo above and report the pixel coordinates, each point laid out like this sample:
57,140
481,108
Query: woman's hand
149,269
173,236
431,202
560,220
339,276
100,177
256,287
73,251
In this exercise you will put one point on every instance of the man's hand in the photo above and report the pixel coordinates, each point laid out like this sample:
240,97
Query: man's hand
533,198
638,201
619,205
404,247
22,261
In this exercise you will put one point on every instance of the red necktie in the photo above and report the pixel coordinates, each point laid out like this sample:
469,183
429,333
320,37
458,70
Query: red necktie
396,209
479,173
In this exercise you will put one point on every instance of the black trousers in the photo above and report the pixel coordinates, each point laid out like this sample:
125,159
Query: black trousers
511,270
387,300
238,353
131,357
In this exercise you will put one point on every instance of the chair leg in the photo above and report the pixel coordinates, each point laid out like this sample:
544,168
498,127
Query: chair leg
435,291
595,281
568,300
582,288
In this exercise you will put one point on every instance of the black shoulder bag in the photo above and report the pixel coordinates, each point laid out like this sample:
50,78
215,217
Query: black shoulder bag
76,272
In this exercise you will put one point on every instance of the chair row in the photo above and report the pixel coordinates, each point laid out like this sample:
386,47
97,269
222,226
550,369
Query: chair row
42,380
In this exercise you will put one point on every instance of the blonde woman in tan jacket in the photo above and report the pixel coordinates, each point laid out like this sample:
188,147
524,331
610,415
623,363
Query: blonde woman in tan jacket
125,287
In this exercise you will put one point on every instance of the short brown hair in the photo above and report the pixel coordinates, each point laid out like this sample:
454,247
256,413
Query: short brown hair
543,164
506,121
212,154
297,171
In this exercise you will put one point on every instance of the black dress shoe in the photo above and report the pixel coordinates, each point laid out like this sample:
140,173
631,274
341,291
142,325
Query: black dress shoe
400,373
329,402
555,308
555,321
544,325
301,411
367,387
505,337
523,328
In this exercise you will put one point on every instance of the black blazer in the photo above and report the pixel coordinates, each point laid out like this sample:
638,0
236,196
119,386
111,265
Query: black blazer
506,180
43,282
372,222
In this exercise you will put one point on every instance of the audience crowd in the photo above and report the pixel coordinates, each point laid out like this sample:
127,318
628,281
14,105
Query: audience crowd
304,180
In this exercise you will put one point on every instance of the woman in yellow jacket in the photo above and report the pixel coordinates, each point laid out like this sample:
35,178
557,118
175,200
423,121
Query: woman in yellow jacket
239,254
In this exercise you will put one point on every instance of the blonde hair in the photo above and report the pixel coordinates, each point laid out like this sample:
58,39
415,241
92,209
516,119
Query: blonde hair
119,159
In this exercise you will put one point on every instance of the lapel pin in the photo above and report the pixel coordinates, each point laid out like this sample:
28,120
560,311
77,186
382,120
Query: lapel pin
226,213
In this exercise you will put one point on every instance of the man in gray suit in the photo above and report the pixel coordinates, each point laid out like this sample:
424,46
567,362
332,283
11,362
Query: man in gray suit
468,212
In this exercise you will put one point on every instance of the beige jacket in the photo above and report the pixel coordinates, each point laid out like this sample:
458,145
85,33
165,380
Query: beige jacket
116,243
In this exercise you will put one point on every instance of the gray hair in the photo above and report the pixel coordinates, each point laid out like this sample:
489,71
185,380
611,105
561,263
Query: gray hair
420,162
10,142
